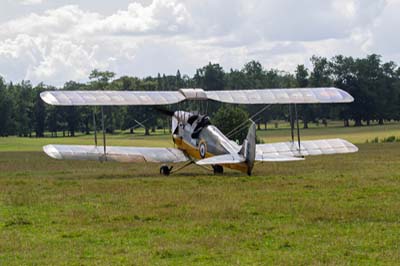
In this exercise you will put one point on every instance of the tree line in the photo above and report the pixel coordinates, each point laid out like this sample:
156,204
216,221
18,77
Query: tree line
374,84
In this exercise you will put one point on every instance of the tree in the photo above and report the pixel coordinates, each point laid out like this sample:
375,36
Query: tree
342,69
368,74
23,109
39,111
210,77
306,111
320,77
237,80
301,76
228,118
71,113
254,74
6,110
101,77
179,82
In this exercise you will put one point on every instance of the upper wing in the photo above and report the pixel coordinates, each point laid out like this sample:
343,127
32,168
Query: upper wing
112,97
282,96
307,147
261,96
119,154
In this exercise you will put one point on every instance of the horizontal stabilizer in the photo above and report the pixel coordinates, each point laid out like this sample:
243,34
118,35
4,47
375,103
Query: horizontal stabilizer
307,148
118,154
222,159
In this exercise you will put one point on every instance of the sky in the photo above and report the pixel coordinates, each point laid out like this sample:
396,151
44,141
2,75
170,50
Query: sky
54,41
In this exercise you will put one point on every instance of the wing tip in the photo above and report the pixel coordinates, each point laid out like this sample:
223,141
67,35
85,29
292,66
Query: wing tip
350,146
49,98
347,98
52,152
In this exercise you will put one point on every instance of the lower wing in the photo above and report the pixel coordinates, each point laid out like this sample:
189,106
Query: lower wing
114,153
289,151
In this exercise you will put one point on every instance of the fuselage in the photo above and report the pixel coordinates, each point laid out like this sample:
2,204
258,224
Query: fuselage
199,139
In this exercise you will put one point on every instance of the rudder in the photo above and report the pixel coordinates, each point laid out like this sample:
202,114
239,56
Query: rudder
248,149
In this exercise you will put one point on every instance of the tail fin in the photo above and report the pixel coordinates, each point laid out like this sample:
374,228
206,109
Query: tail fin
248,149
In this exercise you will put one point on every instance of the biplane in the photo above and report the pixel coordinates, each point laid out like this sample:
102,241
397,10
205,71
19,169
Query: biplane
196,139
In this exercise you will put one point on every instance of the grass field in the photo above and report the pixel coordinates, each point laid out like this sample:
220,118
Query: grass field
328,210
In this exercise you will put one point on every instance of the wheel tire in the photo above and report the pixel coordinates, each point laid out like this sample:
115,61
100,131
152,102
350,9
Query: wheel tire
218,169
165,170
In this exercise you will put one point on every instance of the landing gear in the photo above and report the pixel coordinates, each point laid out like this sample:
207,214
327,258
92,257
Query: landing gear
218,169
165,170
249,172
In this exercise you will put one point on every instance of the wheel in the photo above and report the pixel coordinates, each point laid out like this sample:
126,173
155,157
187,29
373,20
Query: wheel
165,170
218,169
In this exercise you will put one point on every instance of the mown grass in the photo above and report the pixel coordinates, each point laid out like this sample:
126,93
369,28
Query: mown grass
331,210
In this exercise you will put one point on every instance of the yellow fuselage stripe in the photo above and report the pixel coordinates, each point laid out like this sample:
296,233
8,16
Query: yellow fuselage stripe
194,152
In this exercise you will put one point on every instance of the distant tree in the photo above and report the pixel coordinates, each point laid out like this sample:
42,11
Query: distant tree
306,111
254,73
6,110
368,76
53,119
102,78
274,79
237,80
301,73
210,77
343,71
23,109
374,84
321,73
39,111
229,117
71,113
160,85
179,81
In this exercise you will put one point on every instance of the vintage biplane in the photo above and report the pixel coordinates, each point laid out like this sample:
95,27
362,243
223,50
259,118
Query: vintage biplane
196,139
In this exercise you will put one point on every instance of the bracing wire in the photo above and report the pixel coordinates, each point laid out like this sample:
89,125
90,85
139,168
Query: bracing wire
242,125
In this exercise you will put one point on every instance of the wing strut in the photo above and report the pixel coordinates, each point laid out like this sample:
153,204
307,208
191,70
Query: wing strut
291,121
104,132
94,125
297,125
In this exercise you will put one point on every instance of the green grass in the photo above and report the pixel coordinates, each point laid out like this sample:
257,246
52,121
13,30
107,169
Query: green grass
330,210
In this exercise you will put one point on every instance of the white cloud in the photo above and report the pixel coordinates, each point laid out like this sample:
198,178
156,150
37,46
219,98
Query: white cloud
161,16
147,37
30,2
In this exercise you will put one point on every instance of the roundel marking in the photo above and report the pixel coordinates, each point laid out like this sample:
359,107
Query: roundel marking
202,149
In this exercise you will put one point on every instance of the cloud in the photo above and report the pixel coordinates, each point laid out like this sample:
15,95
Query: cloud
30,2
161,16
383,38
65,20
67,43
147,37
